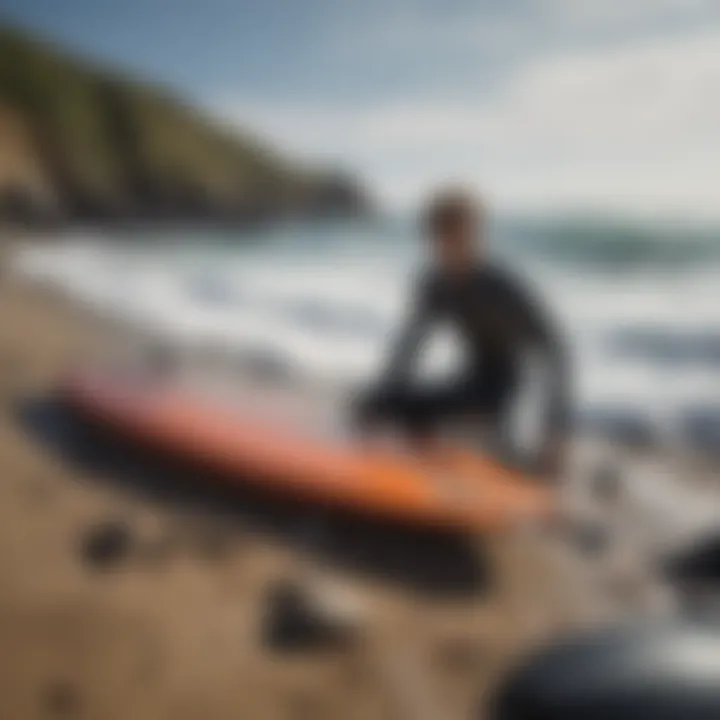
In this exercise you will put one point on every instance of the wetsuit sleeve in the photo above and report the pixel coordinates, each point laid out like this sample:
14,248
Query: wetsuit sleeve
407,344
540,330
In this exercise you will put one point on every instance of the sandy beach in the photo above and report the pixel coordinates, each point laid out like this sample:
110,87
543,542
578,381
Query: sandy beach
172,628
169,624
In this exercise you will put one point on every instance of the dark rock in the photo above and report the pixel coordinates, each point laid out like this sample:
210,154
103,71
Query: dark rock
696,565
107,544
653,671
62,700
294,622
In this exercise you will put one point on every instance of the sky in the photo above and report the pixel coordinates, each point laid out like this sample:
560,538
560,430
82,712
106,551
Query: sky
540,104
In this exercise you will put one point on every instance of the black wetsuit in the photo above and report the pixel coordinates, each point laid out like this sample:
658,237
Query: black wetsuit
499,323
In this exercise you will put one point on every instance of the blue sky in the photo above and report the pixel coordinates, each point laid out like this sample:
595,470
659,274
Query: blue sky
543,104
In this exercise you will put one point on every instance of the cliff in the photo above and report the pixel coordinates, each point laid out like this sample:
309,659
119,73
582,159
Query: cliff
79,143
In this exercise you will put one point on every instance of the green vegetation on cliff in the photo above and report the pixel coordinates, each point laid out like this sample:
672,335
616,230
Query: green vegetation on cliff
79,142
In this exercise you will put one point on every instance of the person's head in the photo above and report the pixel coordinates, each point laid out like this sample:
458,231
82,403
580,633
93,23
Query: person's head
454,222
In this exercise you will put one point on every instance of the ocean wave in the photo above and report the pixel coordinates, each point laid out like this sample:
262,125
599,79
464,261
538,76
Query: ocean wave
667,346
615,245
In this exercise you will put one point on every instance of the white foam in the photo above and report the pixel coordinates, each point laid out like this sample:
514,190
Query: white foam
327,309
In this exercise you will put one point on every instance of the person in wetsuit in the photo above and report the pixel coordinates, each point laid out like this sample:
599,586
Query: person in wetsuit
499,322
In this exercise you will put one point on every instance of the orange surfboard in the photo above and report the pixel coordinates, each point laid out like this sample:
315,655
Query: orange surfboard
461,490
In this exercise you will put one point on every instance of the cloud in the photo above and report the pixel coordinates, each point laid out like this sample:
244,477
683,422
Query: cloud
620,13
402,30
390,32
630,126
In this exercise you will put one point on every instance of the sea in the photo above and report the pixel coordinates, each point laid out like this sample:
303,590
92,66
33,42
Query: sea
638,302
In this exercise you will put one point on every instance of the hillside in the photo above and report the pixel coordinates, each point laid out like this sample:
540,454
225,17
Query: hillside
79,143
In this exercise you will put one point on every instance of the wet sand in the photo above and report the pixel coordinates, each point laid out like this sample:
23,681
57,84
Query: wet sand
168,624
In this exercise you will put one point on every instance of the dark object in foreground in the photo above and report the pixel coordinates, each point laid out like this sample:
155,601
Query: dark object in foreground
293,622
697,567
106,544
62,700
668,671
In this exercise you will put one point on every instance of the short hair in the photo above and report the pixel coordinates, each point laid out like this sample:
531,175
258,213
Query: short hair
450,209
